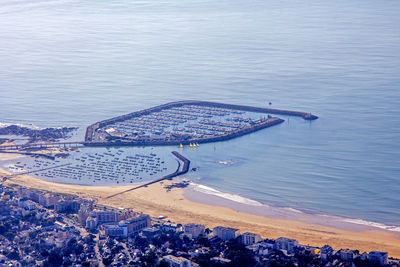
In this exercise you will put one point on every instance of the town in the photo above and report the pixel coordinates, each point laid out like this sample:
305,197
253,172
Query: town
39,228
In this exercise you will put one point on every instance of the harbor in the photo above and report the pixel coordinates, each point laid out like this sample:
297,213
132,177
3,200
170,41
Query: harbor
104,159
97,166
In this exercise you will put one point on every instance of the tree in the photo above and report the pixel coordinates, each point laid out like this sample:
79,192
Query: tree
239,254
10,236
140,242
55,259
150,258
13,255
204,241
108,260
163,263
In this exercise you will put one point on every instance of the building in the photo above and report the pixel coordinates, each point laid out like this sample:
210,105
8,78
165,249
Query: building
250,238
347,255
150,232
91,222
220,260
27,205
138,223
226,233
83,213
168,226
260,249
105,216
326,252
193,230
378,258
178,261
120,230
287,244
48,200
67,205
34,195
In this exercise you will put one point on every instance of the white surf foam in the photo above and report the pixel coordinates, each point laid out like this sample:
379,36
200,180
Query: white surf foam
236,198
392,228
294,210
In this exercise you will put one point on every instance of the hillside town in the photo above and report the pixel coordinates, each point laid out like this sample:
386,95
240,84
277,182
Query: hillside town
39,228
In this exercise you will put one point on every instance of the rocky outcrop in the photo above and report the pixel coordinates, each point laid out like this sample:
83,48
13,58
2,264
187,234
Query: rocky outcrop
47,134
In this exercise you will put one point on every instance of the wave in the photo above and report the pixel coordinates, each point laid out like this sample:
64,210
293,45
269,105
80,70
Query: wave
392,228
294,210
236,198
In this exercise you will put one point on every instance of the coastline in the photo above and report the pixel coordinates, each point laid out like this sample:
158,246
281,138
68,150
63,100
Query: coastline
180,205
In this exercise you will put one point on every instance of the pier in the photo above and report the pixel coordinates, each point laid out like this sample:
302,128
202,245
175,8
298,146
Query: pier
32,146
33,171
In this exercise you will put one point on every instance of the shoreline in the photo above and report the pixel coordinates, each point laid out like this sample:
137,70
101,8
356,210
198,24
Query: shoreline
179,205
209,196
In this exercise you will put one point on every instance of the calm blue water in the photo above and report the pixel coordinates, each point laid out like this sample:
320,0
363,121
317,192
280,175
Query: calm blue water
70,62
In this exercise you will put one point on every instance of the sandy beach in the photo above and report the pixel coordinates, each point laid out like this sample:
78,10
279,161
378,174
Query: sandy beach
156,200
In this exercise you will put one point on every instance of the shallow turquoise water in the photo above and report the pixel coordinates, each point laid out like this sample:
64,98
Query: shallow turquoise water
73,63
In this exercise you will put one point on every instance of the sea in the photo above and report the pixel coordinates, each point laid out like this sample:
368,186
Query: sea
72,63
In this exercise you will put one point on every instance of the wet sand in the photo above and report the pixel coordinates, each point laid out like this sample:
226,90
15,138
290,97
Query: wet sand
155,201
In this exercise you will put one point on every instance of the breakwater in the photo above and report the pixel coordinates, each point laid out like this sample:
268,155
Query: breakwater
92,133
183,167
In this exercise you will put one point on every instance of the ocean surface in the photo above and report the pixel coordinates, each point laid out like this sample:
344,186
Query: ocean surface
70,62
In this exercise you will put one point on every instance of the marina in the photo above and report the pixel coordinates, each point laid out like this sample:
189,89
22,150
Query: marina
185,123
